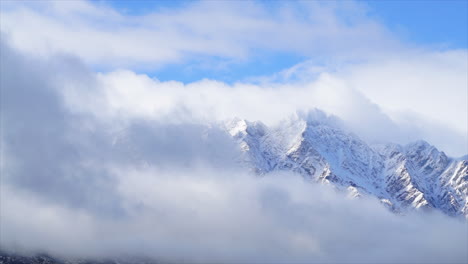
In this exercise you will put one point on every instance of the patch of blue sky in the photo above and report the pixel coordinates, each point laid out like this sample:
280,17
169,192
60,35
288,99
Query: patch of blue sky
227,70
436,23
425,23
142,7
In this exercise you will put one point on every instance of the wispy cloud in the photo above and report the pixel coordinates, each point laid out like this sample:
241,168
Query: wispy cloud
102,164
102,36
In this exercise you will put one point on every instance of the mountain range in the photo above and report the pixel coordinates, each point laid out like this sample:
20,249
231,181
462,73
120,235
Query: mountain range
405,178
416,176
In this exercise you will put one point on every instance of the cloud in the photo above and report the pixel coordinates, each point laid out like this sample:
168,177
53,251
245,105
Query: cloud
103,36
42,137
399,92
423,92
205,215
430,84
39,136
131,95
128,173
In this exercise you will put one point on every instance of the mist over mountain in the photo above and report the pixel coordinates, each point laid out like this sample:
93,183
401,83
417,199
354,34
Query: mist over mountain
305,190
413,176
232,132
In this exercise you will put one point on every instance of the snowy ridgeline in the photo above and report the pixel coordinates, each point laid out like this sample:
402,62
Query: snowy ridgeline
415,176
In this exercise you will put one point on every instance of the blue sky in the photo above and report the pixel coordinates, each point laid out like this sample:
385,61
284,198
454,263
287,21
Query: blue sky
395,70
230,71
436,25
428,23
438,22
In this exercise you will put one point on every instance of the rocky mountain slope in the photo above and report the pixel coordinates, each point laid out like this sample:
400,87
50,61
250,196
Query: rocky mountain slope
414,176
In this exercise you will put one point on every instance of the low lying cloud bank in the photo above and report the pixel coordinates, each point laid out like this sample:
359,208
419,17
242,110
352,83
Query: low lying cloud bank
208,215
97,170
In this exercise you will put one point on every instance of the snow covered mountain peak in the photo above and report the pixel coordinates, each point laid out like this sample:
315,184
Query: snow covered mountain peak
414,176
239,127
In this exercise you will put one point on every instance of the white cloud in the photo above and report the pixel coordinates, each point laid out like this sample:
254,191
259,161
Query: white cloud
102,36
77,185
431,84
423,92
127,94
205,215
135,162
402,92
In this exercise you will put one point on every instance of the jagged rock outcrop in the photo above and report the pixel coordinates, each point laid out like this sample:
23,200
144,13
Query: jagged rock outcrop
414,176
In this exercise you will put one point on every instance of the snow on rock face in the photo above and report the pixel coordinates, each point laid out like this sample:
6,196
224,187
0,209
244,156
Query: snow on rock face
453,188
415,176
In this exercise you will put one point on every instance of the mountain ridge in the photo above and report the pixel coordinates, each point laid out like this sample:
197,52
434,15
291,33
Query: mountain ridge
415,176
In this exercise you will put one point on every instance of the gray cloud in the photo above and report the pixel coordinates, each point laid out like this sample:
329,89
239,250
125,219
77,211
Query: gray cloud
77,184
391,77
204,215
57,153
40,137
